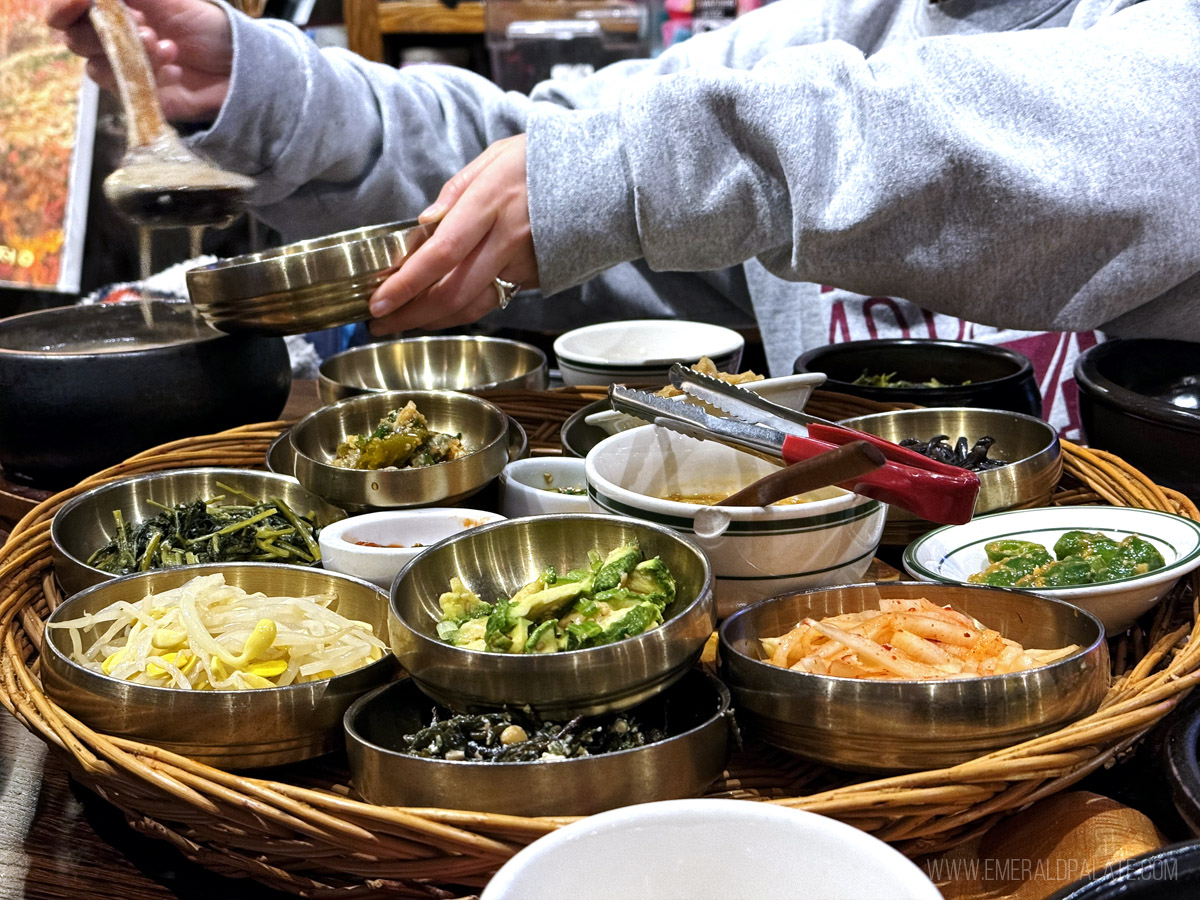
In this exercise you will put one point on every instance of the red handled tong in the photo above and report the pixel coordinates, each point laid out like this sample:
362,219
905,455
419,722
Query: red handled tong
925,487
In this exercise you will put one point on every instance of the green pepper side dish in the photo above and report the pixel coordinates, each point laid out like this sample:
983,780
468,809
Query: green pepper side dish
614,597
1080,557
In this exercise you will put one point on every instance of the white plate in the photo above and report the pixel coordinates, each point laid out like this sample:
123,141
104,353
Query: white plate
643,350
955,552
708,848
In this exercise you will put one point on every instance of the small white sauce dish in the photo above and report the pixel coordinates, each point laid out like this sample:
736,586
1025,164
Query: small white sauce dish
376,546
535,486
641,351
956,552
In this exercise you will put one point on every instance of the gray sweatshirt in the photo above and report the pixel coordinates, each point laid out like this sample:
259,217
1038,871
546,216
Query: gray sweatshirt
1026,163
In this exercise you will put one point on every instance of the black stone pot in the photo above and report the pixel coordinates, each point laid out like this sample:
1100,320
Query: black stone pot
977,375
85,387
1140,399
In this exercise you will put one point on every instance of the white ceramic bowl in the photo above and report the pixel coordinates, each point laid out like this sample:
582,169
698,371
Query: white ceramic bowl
708,848
528,487
641,351
955,552
762,551
411,530
791,391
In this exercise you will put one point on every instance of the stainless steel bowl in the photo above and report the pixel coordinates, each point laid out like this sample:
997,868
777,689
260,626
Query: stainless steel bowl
85,387
86,523
500,557
281,455
694,712
889,726
305,286
1028,444
450,363
228,729
483,426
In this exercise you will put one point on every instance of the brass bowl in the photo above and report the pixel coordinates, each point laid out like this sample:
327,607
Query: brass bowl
500,557
281,455
1029,444
694,712
86,523
449,363
908,725
306,286
227,729
483,426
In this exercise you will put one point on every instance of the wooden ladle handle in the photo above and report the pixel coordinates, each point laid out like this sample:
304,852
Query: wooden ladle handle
832,467
144,120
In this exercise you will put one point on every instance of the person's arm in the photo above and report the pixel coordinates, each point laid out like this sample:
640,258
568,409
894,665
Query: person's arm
336,142
1040,180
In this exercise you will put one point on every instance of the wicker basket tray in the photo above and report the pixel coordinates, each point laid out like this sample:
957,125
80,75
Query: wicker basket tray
305,832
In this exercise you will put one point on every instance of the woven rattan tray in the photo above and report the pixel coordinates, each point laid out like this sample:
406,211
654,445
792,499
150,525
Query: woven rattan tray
302,830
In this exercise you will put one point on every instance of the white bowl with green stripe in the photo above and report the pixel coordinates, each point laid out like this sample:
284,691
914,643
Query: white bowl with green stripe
831,538
955,552
642,351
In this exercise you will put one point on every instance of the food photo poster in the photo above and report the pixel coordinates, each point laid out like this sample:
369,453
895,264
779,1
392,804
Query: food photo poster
47,134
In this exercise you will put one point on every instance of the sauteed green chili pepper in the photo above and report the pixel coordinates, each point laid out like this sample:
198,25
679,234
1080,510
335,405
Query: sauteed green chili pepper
1083,557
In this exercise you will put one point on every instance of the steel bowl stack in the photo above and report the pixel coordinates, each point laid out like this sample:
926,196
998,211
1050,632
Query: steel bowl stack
650,676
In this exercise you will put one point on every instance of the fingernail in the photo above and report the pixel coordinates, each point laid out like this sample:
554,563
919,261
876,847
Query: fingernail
432,214
380,306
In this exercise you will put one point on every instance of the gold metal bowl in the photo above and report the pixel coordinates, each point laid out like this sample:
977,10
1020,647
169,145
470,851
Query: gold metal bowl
485,433
1028,444
449,363
281,455
306,286
497,559
907,725
86,523
694,712
227,729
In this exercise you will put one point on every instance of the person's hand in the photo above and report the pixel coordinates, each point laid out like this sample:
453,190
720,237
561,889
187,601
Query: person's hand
483,234
189,43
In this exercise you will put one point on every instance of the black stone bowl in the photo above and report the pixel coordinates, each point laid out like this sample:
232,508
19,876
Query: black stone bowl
85,387
1140,399
979,375
1172,873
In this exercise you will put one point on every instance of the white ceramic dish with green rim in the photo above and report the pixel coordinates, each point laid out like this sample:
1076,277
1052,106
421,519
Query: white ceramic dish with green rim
955,552
642,351
758,551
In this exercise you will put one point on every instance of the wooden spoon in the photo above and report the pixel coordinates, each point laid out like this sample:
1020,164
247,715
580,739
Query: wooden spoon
833,467
160,183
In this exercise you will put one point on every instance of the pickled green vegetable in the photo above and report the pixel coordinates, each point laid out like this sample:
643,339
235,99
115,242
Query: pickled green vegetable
1080,557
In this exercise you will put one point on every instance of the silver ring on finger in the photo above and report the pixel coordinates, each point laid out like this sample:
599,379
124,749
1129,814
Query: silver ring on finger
505,291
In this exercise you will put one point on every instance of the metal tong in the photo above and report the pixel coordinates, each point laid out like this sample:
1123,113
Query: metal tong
927,488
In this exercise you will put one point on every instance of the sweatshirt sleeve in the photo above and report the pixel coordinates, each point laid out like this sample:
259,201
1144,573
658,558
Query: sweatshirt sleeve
335,142
1037,179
